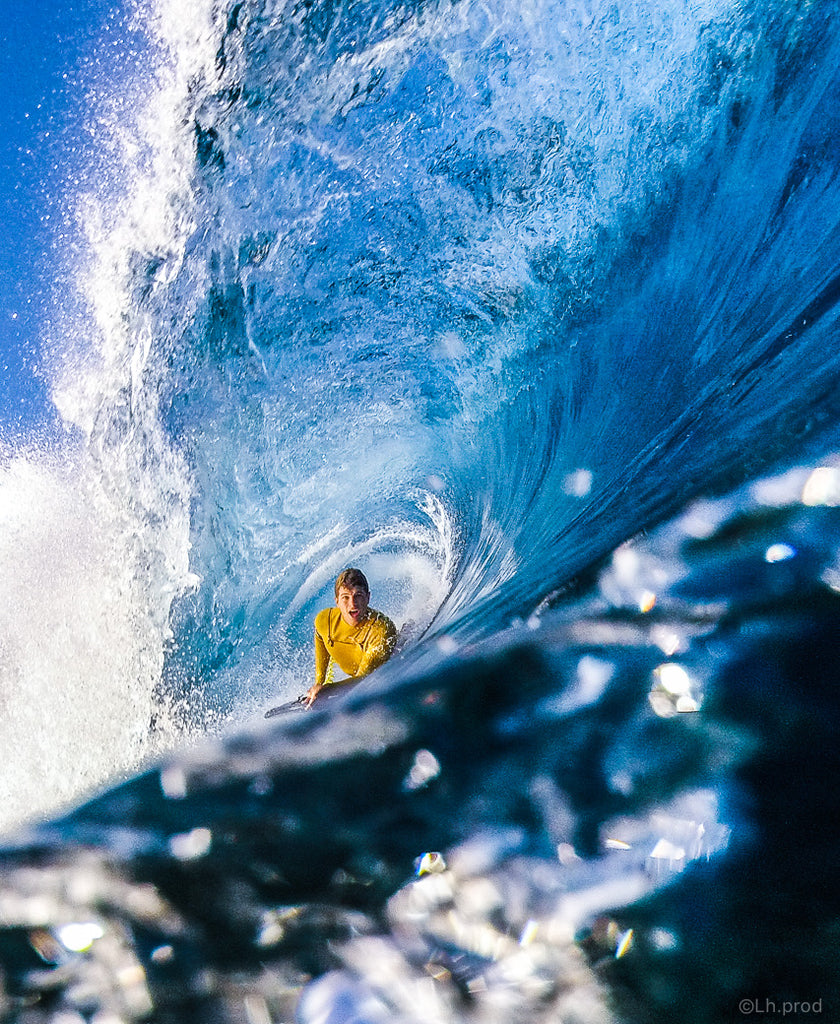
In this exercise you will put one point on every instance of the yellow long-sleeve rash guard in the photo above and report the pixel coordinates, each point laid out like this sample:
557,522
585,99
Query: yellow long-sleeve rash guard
357,650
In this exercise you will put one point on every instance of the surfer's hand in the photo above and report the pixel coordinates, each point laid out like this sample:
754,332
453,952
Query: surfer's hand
311,694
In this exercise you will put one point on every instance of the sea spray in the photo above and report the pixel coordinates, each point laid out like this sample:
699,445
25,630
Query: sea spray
82,633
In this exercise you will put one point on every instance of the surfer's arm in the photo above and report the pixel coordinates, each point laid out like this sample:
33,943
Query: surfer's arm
378,650
322,660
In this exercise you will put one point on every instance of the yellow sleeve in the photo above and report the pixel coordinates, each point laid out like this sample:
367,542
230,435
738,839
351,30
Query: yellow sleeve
322,655
379,647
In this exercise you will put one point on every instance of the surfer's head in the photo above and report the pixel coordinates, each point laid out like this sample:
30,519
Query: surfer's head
352,578
352,595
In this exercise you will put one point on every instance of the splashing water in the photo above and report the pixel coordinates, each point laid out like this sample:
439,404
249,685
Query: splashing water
466,294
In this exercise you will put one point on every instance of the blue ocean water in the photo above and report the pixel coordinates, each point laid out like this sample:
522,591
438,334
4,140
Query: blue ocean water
478,297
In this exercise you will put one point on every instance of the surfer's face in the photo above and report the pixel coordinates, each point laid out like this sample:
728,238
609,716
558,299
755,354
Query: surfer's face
353,603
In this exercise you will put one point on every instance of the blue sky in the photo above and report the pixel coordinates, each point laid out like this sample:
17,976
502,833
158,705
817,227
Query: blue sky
53,56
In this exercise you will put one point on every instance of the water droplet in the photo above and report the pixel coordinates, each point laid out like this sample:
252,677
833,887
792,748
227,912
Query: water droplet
190,845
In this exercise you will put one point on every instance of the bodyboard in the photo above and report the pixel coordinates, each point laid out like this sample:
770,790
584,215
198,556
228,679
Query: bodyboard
299,703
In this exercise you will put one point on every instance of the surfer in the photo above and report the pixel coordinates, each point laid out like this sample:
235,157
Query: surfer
351,638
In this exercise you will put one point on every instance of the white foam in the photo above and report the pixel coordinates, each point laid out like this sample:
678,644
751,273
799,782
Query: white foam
81,636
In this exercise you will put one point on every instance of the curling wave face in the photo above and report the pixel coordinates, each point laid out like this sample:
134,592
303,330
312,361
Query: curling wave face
466,294
456,291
